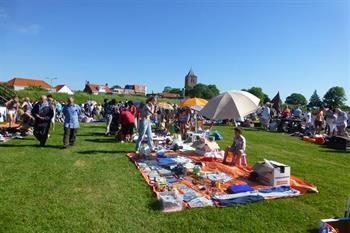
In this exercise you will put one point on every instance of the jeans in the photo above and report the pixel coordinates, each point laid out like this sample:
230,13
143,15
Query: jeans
109,119
145,128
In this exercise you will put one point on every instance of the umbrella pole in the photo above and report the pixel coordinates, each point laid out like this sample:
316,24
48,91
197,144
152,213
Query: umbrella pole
196,119
235,123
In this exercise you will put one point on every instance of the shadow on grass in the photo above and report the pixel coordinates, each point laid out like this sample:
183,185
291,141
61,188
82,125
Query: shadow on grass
251,129
114,152
335,151
34,146
101,126
26,139
314,231
154,205
93,134
101,140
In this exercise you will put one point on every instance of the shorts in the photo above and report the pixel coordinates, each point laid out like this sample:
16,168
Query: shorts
11,112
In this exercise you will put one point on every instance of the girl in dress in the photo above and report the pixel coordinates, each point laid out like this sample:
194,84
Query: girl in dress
238,149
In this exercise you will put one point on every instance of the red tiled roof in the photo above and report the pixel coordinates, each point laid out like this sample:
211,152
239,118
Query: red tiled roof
169,95
59,87
24,82
94,87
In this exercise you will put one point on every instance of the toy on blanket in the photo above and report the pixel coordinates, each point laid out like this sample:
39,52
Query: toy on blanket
209,149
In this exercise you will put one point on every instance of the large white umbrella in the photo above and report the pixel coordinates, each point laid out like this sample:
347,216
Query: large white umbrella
230,105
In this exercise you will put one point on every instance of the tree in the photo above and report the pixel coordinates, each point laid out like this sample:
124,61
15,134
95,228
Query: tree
296,99
167,89
202,91
258,92
175,91
335,97
315,100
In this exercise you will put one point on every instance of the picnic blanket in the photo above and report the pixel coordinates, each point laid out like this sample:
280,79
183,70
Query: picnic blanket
7,126
201,188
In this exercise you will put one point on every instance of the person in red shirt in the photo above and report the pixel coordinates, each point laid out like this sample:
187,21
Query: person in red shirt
133,109
127,122
286,112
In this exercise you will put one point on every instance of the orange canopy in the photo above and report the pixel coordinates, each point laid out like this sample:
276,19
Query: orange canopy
192,102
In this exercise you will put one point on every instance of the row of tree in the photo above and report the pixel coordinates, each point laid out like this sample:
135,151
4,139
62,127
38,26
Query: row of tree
335,97
200,91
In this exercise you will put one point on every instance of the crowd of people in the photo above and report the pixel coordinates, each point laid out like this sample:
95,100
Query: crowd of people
124,119
134,122
330,121
39,117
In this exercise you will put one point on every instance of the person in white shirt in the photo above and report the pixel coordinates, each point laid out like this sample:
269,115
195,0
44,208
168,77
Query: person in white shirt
265,116
342,122
331,118
308,119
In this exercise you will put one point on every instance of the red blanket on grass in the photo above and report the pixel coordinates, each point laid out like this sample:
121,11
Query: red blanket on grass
239,175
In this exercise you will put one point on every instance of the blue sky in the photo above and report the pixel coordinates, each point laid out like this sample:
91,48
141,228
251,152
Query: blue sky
287,46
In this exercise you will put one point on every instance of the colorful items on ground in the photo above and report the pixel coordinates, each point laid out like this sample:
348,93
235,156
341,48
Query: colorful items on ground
185,181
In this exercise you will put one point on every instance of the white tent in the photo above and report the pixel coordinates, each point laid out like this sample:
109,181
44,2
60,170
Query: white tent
230,105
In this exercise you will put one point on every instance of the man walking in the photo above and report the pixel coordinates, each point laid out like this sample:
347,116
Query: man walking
71,122
109,110
43,114
265,116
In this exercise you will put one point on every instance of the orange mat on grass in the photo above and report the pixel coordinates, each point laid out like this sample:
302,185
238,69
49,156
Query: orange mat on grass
7,125
239,175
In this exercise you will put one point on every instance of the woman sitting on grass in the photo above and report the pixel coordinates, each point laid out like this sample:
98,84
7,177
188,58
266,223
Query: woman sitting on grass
238,148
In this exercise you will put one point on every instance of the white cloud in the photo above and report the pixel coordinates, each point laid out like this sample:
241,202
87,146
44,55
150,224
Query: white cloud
29,29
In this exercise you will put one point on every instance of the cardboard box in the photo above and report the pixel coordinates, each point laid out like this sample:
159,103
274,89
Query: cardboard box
341,225
272,173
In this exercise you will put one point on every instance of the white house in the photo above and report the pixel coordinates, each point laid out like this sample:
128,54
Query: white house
64,89
22,83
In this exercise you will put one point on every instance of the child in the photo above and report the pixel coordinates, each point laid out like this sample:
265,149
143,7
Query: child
238,148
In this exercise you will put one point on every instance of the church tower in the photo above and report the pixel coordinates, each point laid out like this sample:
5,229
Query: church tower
191,79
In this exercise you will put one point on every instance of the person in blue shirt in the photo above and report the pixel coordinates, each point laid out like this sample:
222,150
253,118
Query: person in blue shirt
71,122
109,110
297,112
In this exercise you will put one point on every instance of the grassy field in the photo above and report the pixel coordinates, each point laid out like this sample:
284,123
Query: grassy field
93,187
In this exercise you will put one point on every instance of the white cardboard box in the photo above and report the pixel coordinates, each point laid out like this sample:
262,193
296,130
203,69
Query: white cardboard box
272,173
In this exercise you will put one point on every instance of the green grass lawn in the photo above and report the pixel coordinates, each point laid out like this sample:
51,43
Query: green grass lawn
93,187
